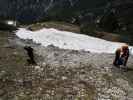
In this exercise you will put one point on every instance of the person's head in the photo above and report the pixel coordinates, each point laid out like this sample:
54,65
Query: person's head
125,47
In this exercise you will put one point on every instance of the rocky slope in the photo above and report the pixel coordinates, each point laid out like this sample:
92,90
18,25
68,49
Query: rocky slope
60,74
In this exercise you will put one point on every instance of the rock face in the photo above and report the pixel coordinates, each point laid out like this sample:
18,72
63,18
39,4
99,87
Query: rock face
109,15
121,12
106,15
26,10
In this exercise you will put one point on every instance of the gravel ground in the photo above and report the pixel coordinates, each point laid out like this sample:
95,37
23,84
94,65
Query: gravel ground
60,74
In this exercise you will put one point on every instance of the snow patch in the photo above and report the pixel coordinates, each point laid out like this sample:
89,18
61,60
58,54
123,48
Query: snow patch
69,40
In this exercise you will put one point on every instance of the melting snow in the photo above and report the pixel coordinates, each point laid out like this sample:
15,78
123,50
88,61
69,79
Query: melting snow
69,40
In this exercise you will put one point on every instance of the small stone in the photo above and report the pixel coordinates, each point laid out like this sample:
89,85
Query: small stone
64,78
2,73
44,64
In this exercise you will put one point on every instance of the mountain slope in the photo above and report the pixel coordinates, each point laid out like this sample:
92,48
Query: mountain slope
33,10
60,74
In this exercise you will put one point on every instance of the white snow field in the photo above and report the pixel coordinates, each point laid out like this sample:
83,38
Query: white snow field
69,40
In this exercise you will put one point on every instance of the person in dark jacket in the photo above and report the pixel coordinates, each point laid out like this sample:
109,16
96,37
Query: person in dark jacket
121,56
116,61
125,54
30,54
